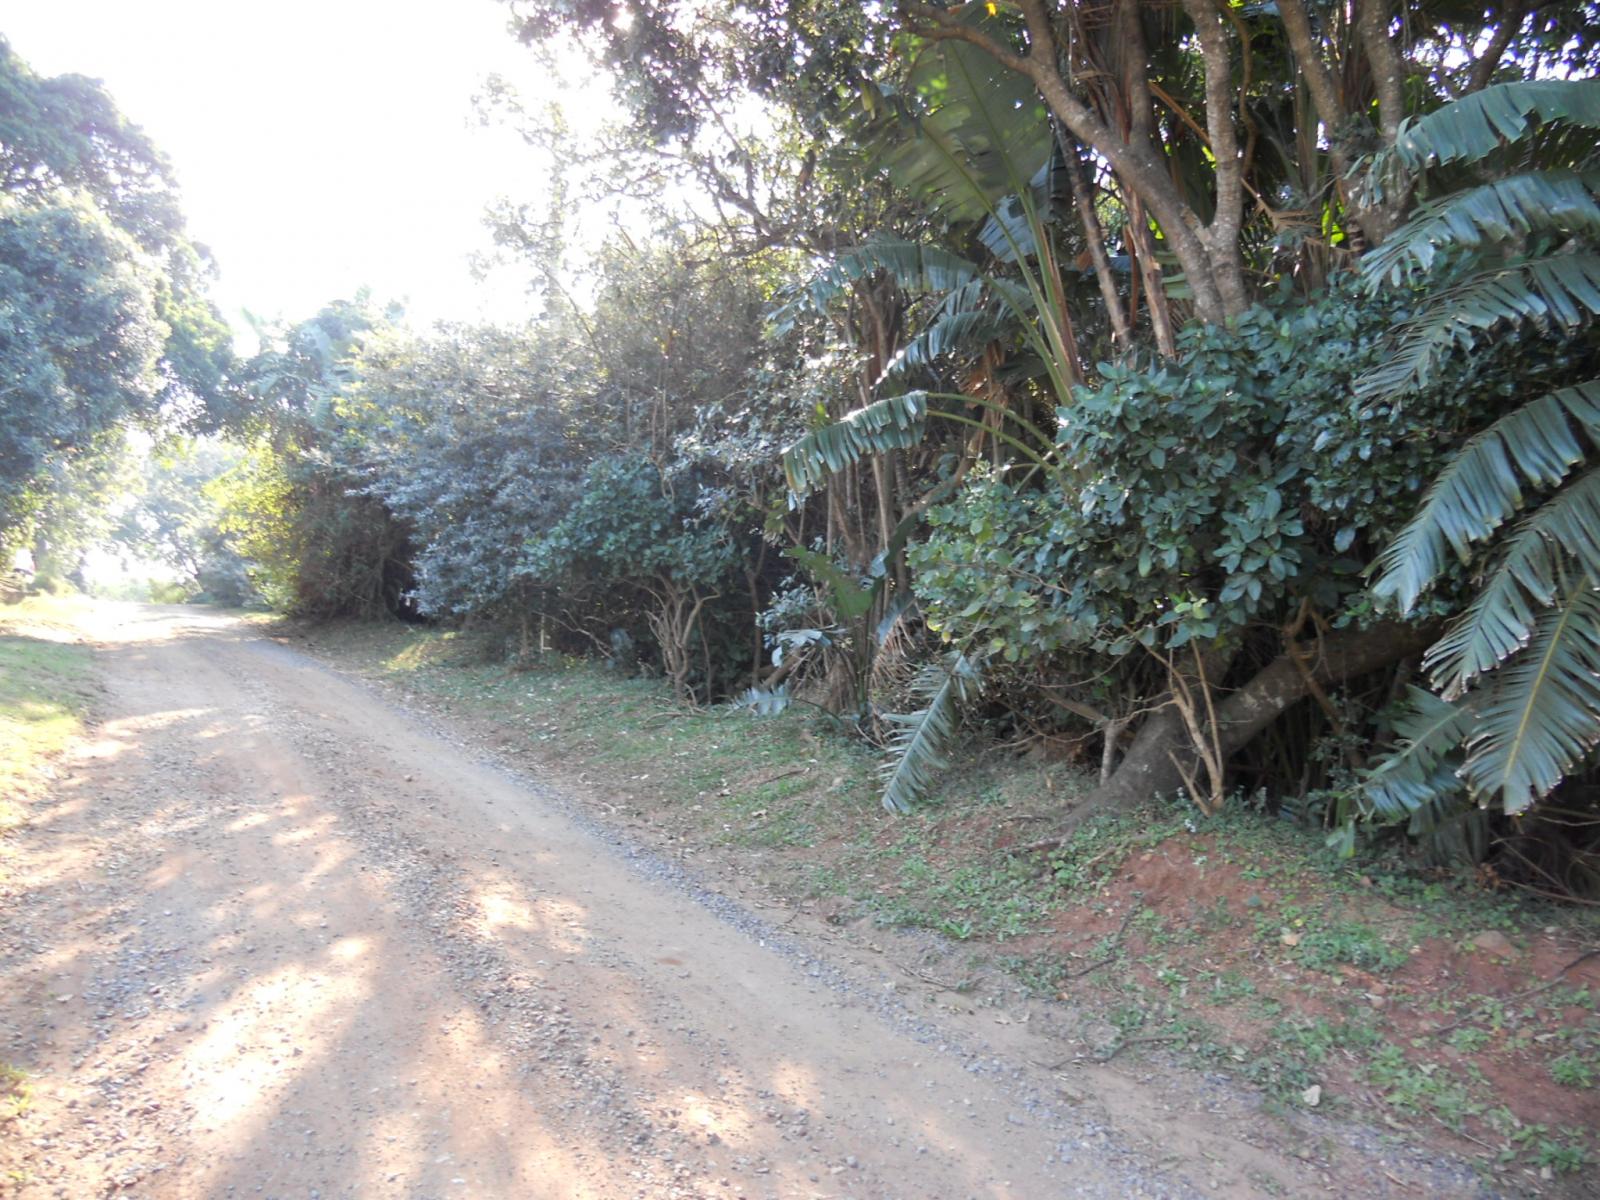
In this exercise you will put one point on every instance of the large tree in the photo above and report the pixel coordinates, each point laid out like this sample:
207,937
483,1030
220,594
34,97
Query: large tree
103,314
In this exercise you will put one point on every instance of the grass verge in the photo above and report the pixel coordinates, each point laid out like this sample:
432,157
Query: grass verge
45,692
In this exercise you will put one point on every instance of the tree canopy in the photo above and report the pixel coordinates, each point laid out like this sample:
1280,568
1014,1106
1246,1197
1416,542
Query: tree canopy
103,316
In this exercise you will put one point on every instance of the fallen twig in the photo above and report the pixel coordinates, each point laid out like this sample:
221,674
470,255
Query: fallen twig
1477,1014
1152,1039
668,714
1116,944
775,778
960,986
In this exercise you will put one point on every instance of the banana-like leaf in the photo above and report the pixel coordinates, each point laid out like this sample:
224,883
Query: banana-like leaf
765,702
1501,618
1477,125
893,423
1549,291
1423,767
987,138
1543,716
899,606
849,599
1482,486
1014,228
914,266
920,747
1557,201
971,329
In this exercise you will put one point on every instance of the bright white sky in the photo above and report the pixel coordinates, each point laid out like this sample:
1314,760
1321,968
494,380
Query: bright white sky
321,145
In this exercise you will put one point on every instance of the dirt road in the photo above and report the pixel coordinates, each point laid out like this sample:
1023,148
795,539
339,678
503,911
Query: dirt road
273,936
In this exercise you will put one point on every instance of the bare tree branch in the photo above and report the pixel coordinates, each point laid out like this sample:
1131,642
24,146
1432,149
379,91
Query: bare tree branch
1512,17
1319,80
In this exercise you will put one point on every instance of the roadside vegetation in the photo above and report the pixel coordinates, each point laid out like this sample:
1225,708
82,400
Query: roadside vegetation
46,689
1197,403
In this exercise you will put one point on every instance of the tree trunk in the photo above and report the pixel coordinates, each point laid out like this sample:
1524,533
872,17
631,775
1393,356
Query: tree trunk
1161,752
1140,167
1083,200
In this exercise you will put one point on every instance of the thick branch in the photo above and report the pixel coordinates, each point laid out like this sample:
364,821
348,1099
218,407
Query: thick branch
1319,80
1134,55
1161,751
1376,221
1332,660
1388,71
1094,236
1139,167
1222,237
1512,17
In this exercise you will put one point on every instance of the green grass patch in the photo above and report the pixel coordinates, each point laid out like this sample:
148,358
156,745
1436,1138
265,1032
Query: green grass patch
994,897
45,689
16,1096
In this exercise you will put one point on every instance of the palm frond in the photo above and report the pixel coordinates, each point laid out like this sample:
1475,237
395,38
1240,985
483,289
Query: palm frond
849,599
1556,201
919,749
1548,291
893,423
914,266
1477,125
765,702
1423,767
1543,716
1501,618
1482,486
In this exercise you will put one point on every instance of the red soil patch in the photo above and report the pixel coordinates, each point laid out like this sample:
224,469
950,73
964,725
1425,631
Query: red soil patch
1214,919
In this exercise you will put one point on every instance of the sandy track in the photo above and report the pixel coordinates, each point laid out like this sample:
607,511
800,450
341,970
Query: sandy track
272,936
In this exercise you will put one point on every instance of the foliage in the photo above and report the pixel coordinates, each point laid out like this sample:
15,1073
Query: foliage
1197,498
103,315
921,737
173,518
80,507
1519,708
79,344
295,504
66,134
473,440
945,256
623,527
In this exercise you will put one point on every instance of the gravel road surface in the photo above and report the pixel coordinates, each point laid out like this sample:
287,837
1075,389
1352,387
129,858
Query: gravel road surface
273,936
